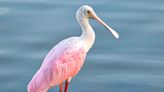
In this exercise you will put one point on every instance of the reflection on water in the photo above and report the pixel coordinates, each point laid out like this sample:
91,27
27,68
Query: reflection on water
135,62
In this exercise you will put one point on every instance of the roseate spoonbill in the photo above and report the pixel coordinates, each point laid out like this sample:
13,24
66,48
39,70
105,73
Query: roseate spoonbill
65,60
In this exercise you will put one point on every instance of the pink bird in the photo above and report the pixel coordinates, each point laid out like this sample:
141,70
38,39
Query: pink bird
65,60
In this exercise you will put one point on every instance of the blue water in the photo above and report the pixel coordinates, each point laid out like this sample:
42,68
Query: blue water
133,63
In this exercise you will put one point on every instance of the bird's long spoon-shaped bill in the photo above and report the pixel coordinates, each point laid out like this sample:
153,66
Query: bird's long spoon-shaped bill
114,33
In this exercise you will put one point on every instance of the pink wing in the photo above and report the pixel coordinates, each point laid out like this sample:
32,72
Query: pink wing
62,62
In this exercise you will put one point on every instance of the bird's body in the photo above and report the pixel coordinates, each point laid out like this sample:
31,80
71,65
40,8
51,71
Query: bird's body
65,60
62,62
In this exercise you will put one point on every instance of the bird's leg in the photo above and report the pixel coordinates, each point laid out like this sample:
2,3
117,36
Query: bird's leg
66,85
61,88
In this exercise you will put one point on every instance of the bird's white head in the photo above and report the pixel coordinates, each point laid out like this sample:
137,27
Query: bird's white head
86,12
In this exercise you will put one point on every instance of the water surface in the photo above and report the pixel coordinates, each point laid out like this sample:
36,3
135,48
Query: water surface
134,63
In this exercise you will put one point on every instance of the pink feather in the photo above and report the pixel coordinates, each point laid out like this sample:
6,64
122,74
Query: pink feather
62,62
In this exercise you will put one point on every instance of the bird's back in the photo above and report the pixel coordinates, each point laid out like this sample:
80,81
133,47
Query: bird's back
63,61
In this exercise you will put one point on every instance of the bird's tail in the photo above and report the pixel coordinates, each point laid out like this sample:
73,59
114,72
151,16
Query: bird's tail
31,87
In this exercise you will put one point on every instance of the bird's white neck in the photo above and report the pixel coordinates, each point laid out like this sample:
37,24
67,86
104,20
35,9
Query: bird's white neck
88,35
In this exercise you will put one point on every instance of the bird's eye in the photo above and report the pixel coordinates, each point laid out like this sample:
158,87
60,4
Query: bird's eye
88,12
